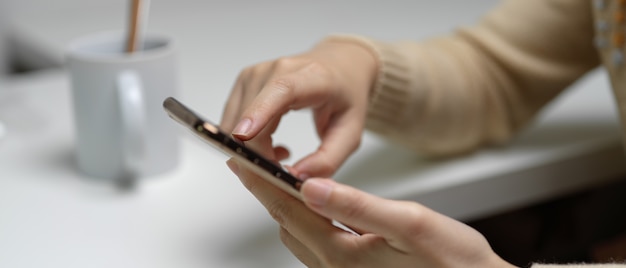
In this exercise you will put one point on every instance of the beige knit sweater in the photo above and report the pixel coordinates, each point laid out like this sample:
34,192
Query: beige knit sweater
482,84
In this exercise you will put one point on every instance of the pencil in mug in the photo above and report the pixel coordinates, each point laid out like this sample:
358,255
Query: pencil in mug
138,18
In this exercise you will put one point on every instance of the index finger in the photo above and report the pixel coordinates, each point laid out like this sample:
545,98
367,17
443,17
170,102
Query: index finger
295,90
290,213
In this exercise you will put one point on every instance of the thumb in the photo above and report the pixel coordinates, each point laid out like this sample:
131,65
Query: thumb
360,210
406,226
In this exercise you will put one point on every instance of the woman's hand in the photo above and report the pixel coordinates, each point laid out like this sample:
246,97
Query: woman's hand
393,233
333,79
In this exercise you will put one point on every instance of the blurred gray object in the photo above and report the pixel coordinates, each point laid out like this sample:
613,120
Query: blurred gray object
4,21
3,60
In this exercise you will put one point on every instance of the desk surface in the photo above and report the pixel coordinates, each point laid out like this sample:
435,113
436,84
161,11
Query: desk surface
51,215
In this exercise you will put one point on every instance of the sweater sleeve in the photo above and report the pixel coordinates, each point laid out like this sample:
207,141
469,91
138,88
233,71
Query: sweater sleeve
481,84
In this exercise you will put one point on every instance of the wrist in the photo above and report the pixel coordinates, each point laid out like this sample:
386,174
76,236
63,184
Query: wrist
357,55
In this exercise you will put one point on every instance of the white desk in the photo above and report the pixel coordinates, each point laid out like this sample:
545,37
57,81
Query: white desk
51,216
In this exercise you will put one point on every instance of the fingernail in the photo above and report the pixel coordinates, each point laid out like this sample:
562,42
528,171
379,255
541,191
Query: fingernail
303,176
243,127
317,191
234,167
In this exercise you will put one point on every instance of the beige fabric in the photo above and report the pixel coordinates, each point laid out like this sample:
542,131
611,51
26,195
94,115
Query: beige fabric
481,84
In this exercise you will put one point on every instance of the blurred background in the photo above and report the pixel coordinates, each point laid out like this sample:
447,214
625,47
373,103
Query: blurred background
555,194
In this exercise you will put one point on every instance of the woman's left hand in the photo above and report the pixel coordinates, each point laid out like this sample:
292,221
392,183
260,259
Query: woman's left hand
392,233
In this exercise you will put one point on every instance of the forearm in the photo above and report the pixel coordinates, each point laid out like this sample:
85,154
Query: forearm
482,84
427,96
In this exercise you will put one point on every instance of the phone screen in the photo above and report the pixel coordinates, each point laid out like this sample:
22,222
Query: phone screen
212,134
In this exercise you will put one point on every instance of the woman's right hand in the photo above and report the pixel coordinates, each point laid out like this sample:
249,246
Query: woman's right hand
333,79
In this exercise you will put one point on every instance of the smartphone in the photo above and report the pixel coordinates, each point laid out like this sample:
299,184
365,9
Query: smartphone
212,134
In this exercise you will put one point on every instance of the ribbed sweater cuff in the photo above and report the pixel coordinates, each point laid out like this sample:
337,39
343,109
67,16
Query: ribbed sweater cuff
389,97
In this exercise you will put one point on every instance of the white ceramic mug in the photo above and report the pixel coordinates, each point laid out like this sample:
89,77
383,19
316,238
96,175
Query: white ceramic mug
122,130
